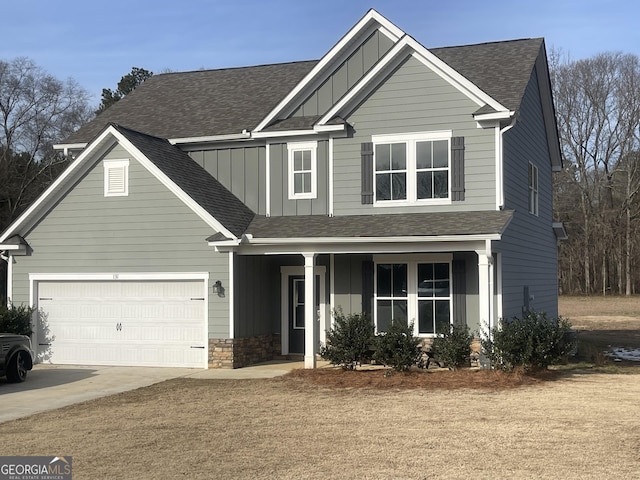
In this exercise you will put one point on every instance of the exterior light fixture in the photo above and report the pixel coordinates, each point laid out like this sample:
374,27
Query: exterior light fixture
217,288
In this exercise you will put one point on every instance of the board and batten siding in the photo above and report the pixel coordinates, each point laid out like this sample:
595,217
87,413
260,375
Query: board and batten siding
150,230
415,99
348,282
529,247
280,203
241,170
345,76
258,297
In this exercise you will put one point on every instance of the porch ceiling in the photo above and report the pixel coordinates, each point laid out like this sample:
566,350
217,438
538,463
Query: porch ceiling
381,225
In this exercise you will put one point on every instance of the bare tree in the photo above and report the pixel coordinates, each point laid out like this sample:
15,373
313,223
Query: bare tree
598,112
36,110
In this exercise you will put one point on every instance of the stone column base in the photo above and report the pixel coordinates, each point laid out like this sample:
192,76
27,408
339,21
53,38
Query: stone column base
241,352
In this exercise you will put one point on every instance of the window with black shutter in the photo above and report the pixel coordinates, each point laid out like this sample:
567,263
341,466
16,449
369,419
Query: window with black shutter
425,168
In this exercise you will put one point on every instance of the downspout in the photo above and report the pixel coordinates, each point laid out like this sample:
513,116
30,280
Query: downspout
267,189
500,163
6,256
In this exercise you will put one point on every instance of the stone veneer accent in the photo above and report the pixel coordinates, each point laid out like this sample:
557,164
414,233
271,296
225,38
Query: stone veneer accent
241,352
474,358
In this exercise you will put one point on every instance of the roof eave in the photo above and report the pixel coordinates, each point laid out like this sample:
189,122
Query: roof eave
502,115
65,147
354,240
244,135
317,129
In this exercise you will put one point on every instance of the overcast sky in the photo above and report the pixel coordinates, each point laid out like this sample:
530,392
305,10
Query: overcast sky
96,43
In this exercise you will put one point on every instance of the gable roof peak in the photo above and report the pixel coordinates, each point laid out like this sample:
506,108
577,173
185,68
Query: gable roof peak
372,20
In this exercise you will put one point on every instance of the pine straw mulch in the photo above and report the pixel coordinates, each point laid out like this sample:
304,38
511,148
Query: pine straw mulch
441,379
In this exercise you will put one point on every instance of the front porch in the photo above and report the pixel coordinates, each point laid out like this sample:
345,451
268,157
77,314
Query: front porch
282,302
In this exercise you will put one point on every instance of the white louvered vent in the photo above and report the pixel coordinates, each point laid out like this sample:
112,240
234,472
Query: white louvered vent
116,178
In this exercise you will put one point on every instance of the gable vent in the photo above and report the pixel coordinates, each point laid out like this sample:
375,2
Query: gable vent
116,178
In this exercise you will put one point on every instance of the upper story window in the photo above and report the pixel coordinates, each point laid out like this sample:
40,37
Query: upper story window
413,167
303,170
533,189
116,178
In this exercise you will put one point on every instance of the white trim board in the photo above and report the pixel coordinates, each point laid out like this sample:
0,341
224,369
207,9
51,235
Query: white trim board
404,47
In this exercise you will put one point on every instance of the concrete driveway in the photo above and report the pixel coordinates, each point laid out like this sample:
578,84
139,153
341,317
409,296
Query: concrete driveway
53,386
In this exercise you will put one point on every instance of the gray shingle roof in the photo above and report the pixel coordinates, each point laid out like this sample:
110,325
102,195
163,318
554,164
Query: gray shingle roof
381,225
500,69
201,103
227,101
194,180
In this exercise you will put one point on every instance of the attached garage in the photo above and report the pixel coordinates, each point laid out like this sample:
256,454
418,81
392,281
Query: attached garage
118,321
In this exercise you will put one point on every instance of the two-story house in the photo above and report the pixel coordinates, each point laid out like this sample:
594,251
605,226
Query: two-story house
218,218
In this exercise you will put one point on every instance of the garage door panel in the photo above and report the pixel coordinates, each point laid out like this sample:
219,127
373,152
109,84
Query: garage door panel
154,323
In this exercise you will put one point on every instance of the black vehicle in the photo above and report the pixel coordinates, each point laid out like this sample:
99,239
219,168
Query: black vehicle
16,356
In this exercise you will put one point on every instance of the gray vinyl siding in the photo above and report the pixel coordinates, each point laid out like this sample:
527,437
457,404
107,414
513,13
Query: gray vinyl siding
528,247
240,170
281,205
345,76
415,99
150,230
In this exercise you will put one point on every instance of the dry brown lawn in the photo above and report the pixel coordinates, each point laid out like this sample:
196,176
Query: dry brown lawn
573,424
602,324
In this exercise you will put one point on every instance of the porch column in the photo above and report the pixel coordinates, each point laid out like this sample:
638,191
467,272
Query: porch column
310,339
485,295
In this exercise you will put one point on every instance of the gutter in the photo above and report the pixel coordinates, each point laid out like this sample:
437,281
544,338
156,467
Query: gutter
250,240
245,135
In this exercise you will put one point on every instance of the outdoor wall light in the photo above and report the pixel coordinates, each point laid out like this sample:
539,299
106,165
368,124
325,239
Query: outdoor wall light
217,287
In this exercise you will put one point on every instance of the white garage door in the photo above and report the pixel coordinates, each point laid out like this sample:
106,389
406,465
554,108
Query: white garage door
150,323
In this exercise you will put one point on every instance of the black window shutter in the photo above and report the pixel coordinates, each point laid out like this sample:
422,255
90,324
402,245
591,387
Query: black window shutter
367,288
366,156
457,169
459,293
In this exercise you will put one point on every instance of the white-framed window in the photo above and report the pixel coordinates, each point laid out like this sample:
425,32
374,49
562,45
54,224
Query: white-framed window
303,171
391,294
417,290
434,298
412,167
533,189
116,178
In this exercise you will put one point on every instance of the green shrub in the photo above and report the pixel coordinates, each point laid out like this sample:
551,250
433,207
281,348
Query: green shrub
397,347
454,347
349,341
533,342
16,319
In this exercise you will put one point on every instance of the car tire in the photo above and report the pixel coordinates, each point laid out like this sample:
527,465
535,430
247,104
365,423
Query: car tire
17,368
